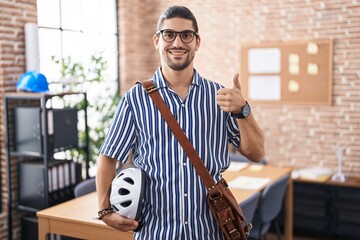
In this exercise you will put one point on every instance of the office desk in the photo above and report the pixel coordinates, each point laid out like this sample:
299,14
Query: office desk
273,173
75,218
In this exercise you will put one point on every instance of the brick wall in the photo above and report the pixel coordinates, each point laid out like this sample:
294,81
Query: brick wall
138,57
13,15
296,135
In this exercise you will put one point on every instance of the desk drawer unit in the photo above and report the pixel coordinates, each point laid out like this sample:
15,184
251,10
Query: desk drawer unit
331,210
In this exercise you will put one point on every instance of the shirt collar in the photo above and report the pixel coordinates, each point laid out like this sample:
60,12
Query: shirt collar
161,83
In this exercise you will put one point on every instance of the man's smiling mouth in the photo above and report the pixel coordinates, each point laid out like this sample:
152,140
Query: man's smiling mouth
177,52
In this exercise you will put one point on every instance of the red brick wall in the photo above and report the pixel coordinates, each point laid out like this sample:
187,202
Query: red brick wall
136,29
13,15
296,135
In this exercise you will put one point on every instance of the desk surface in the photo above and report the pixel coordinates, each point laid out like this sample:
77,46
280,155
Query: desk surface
265,171
349,182
76,217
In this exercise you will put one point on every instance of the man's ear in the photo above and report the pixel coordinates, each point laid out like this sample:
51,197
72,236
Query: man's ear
156,41
198,41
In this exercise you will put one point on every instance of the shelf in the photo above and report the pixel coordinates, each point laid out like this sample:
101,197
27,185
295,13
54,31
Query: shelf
26,154
28,95
35,131
35,154
23,208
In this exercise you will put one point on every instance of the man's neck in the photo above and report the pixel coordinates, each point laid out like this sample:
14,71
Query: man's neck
175,78
179,81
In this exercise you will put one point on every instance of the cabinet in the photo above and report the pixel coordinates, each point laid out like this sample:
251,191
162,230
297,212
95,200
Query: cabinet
328,209
37,129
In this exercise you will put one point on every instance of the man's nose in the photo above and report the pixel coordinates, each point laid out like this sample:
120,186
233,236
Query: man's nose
177,41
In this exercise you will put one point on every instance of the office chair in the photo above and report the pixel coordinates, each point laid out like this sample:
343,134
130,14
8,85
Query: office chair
249,206
270,205
84,187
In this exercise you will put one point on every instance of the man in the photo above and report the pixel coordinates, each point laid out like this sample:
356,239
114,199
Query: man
211,116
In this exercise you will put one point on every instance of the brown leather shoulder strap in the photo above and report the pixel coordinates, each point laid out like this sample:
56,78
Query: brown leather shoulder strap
199,166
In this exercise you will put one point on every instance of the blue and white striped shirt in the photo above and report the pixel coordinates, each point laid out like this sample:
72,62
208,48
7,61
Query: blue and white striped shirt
175,206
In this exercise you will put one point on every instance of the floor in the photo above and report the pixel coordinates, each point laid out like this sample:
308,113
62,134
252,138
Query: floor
272,236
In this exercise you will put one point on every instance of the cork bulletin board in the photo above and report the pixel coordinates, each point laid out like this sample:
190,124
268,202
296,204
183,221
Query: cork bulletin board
287,72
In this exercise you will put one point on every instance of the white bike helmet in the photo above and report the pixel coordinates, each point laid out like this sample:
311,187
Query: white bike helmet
127,192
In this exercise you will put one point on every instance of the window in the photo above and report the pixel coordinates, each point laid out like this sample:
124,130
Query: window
80,29
77,29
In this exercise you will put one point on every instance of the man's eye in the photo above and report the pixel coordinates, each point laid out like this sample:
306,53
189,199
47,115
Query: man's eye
187,35
169,34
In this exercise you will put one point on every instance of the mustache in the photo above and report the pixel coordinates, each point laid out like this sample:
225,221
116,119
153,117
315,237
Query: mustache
177,48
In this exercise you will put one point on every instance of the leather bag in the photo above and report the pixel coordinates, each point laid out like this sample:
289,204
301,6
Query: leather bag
223,204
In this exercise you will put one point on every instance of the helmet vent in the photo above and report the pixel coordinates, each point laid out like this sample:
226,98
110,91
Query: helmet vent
123,191
126,204
120,175
129,180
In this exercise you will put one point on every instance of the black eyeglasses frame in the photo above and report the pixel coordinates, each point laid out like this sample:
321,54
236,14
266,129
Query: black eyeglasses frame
195,34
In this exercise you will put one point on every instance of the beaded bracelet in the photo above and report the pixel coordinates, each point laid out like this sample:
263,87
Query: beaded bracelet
104,212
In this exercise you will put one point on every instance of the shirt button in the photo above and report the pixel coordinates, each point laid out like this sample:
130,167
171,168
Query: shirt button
186,222
184,164
185,194
183,105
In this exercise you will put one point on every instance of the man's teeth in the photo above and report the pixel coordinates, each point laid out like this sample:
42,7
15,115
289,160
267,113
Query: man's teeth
177,53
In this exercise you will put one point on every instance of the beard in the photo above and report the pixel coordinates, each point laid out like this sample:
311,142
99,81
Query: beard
180,66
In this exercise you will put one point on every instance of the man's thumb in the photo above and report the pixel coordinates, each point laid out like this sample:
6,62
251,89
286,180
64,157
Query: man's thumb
236,81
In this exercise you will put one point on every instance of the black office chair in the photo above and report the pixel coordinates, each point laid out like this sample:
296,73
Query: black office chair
249,206
270,206
85,187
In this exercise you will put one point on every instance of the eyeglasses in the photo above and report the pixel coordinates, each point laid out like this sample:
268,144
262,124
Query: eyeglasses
169,35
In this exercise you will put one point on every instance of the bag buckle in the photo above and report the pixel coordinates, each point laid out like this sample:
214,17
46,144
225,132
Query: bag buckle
215,196
150,89
236,232
249,227
224,184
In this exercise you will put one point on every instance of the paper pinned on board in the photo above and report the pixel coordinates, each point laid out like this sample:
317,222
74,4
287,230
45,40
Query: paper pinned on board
264,60
248,183
312,48
312,69
293,86
264,87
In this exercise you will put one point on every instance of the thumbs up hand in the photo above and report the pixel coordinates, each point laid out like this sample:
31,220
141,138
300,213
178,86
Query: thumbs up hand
231,99
236,82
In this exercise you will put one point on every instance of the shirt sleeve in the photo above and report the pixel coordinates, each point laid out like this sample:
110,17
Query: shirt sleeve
121,135
233,131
